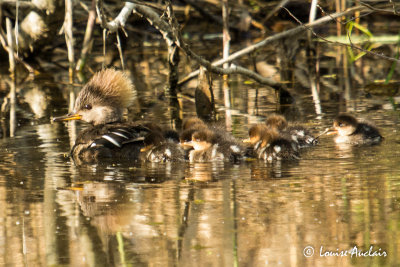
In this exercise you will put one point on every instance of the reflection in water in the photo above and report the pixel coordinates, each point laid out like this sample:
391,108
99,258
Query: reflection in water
221,214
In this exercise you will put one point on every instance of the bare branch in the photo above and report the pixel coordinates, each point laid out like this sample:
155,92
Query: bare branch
119,21
274,38
21,4
281,4
3,42
341,44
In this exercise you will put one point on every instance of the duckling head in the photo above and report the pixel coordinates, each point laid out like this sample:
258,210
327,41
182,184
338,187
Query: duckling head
193,122
276,121
345,125
260,136
151,140
203,139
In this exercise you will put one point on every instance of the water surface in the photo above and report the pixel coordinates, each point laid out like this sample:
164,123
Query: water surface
211,214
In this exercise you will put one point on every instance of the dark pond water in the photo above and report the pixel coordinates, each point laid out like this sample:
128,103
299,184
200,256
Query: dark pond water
334,199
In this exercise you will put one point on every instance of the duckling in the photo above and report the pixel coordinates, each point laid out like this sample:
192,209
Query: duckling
227,143
267,144
351,131
299,134
101,102
207,147
159,147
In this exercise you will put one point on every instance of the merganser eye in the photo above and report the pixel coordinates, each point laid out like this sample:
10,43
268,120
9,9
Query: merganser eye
88,106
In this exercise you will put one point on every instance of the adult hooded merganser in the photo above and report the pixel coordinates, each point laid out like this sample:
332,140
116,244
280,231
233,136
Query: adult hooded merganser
297,133
351,131
101,102
267,144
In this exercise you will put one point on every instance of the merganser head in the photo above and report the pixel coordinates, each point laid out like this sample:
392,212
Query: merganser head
201,139
103,99
345,125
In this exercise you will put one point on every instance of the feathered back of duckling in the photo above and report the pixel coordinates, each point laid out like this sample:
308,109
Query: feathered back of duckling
192,122
276,121
204,135
107,87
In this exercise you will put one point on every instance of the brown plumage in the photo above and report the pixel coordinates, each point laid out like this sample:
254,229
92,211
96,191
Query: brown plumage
296,133
209,142
276,121
159,147
266,143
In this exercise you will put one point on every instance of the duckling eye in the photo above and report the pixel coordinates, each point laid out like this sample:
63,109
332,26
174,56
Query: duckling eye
341,124
88,106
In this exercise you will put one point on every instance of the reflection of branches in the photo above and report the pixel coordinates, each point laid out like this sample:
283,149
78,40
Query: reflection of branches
339,43
184,221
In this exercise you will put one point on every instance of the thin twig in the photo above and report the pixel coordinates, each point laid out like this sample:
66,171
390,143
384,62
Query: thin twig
341,44
69,38
87,40
121,55
281,4
207,14
16,27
